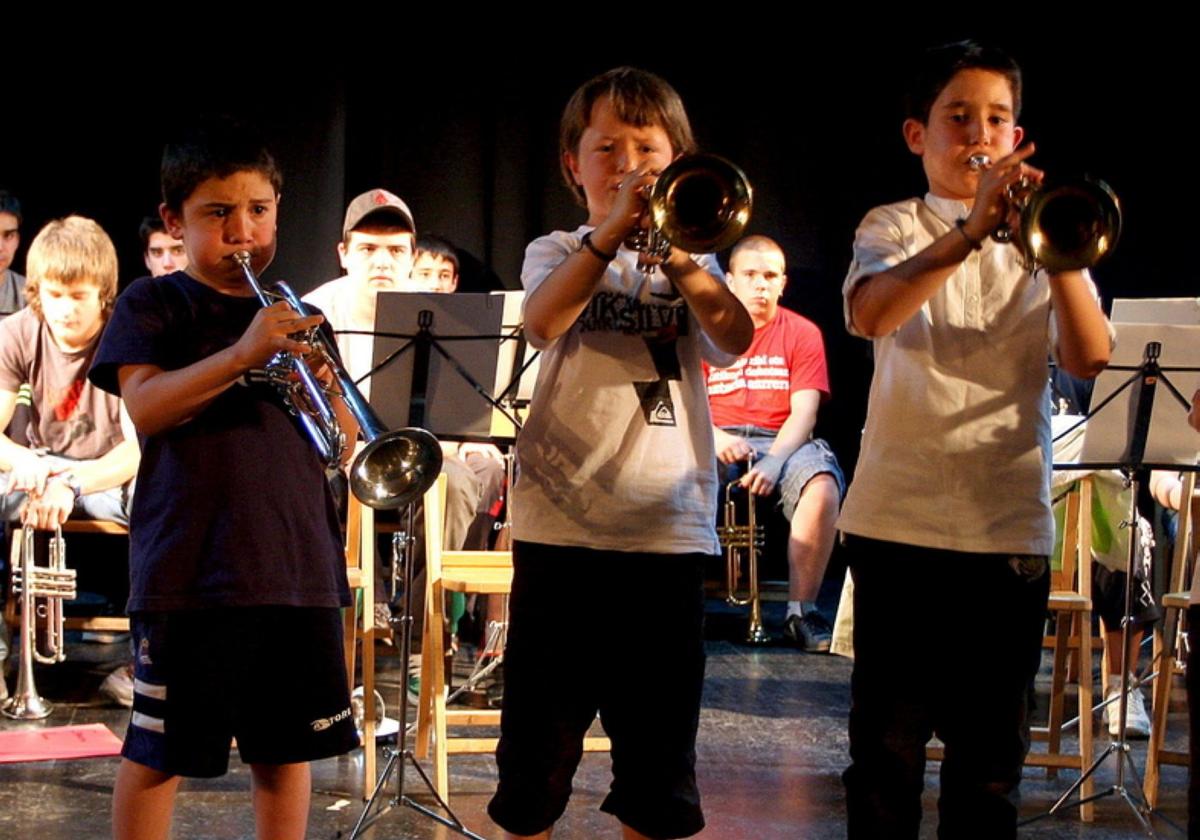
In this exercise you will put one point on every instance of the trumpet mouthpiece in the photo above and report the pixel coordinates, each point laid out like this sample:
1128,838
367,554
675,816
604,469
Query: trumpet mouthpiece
979,162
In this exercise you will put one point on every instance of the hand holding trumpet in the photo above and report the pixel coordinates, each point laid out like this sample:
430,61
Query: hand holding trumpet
275,328
995,208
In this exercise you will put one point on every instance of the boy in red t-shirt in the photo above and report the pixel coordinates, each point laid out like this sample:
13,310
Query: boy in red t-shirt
766,404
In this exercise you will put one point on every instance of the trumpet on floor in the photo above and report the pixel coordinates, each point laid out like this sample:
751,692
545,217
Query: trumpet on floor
42,590
742,544
1065,225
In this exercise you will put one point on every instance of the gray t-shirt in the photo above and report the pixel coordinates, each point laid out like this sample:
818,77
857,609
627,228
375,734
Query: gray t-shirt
617,453
12,292
69,416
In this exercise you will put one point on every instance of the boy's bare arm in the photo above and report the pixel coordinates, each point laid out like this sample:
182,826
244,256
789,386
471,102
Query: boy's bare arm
1084,343
795,431
113,468
26,469
158,399
880,304
52,506
720,313
553,306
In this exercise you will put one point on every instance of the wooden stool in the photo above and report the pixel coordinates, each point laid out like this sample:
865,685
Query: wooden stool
1072,645
358,622
488,572
1168,636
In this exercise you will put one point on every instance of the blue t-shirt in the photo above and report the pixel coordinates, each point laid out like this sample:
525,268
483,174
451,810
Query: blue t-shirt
231,508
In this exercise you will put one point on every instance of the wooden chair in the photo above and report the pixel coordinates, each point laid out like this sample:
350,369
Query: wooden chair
359,622
1072,645
1168,635
488,572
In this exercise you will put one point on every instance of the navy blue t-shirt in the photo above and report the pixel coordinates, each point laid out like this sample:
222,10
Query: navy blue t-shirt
231,508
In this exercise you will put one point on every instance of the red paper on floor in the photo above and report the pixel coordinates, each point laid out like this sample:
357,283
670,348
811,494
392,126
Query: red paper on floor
90,740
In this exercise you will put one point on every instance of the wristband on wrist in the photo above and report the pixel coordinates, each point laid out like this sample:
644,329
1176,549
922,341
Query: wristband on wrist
596,252
72,482
961,225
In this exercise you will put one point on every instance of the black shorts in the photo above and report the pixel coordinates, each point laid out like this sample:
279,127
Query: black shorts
1108,597
610,632
272,677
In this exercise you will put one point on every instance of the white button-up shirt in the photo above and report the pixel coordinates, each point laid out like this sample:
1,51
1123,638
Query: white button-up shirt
956,450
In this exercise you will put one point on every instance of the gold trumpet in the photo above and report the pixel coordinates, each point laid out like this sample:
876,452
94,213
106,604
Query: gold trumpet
395,467
743,541
1064,225
700,203
42,590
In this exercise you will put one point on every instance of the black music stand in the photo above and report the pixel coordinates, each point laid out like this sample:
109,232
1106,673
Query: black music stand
444,362
417,381
1118,437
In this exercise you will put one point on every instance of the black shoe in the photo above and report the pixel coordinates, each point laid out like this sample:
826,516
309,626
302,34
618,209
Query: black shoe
810,633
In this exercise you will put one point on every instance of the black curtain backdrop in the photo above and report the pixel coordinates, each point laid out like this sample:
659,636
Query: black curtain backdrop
813,118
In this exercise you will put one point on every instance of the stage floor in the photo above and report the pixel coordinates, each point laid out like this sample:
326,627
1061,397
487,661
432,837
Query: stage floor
771,750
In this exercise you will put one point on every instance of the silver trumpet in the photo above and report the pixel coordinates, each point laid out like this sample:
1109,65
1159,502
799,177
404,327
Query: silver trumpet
700,203
1064,225
743,542
395,467
42,590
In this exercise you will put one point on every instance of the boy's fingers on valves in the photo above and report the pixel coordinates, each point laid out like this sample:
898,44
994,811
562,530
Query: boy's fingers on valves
273,330
632,195
993,204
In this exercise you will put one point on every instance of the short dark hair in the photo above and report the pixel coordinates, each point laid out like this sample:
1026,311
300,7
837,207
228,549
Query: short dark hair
215,147
10,204
938,65
150,226
755,242
639,97
438,247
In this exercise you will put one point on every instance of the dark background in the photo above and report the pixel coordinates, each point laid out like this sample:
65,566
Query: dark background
465,129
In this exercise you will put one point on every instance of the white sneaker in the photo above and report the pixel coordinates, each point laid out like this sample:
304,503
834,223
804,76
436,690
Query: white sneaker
1137,721
118,686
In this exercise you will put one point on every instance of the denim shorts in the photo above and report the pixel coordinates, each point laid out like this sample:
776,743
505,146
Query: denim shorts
807,462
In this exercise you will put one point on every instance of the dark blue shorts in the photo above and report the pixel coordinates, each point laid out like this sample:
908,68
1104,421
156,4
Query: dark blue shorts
272,677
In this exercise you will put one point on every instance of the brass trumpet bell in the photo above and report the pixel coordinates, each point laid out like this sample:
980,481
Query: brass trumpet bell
1070,225
701,203
396,468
